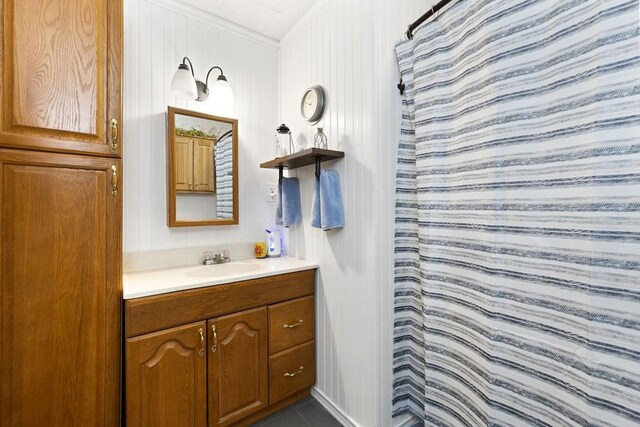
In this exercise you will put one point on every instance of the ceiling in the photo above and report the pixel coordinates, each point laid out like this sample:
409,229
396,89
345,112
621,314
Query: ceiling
272,18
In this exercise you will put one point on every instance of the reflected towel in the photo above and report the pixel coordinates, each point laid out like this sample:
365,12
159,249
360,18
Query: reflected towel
326,210
288,211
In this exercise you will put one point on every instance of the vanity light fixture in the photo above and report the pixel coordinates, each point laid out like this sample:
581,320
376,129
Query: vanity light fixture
184,85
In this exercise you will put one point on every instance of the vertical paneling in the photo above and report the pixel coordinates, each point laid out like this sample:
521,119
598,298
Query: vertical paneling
157,36
348,47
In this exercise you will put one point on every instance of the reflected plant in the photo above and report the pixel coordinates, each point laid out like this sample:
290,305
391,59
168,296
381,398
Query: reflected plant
199,131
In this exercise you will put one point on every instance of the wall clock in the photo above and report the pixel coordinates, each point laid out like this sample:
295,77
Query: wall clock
313,103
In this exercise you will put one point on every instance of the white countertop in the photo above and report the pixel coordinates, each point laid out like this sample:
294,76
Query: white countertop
154,282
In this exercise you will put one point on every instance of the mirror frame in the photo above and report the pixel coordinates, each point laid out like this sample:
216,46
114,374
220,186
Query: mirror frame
172,221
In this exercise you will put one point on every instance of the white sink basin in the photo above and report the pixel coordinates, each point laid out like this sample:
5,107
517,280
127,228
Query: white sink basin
227,269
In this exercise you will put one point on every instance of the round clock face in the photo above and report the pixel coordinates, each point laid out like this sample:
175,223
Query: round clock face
312,105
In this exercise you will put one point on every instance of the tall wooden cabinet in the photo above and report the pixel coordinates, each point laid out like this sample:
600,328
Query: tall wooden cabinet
60,213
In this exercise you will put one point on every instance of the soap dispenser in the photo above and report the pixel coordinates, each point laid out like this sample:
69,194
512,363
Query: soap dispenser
274,247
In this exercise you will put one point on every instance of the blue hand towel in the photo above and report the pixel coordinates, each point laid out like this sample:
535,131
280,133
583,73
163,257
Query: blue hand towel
327,211
288,211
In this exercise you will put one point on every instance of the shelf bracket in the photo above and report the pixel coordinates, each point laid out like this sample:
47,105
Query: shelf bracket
280,175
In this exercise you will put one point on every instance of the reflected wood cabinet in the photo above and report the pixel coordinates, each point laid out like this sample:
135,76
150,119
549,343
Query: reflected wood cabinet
246,378
61,75
194,165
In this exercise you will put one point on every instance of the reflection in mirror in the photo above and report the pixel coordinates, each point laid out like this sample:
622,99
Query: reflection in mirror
202,163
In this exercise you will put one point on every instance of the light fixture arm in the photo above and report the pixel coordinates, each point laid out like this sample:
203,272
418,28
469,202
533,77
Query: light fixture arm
184,61
222,77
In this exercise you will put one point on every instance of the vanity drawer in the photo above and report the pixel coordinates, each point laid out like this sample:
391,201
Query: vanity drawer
291,323
291,371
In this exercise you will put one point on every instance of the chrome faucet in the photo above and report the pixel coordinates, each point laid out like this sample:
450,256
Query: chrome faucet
210,258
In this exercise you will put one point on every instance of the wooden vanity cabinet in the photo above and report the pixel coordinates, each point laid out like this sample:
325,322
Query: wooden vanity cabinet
246,377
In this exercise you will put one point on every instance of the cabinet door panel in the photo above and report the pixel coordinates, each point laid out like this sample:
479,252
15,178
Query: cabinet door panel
166,378
61,74
237,366
60,290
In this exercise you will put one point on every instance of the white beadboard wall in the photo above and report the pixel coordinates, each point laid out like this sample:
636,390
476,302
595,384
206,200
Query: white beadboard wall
347,46
158,33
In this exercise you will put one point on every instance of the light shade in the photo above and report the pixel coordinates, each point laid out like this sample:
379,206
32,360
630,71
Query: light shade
221,99
183,85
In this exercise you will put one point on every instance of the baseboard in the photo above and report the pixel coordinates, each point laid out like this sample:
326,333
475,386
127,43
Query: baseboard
404,421
407,420
337,413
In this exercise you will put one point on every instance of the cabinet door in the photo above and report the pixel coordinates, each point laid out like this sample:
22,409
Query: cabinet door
167,379
60,290
184,163
237,366
60,68
203,165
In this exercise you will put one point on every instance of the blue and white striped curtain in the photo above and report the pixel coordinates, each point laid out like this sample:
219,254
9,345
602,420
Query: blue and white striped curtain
517,270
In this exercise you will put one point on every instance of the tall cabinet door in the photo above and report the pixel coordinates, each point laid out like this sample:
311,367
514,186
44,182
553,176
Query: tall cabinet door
60,289
237,366
60,65
166,378
183,163
203,165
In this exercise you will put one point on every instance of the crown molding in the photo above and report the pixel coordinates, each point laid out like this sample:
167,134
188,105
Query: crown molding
215,21
303,21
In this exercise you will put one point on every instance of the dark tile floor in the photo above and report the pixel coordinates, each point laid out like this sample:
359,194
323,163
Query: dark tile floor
305,413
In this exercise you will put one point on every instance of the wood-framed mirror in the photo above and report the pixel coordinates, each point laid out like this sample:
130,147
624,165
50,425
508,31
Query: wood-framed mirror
202,169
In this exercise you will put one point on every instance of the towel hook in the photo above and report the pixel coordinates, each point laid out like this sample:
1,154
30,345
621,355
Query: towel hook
317,168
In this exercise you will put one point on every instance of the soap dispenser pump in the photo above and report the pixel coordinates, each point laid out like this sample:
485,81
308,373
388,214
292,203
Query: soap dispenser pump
274,246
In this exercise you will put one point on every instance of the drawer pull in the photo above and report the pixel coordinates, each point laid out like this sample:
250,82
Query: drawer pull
293,374
201,352
293,325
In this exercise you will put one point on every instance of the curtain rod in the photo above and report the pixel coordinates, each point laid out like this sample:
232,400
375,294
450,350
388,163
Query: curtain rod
423,18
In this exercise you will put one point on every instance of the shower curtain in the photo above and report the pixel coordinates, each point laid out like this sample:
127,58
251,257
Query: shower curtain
517,246
223,155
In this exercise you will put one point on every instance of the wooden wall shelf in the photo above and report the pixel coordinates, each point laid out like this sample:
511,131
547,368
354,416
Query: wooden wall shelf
302,158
